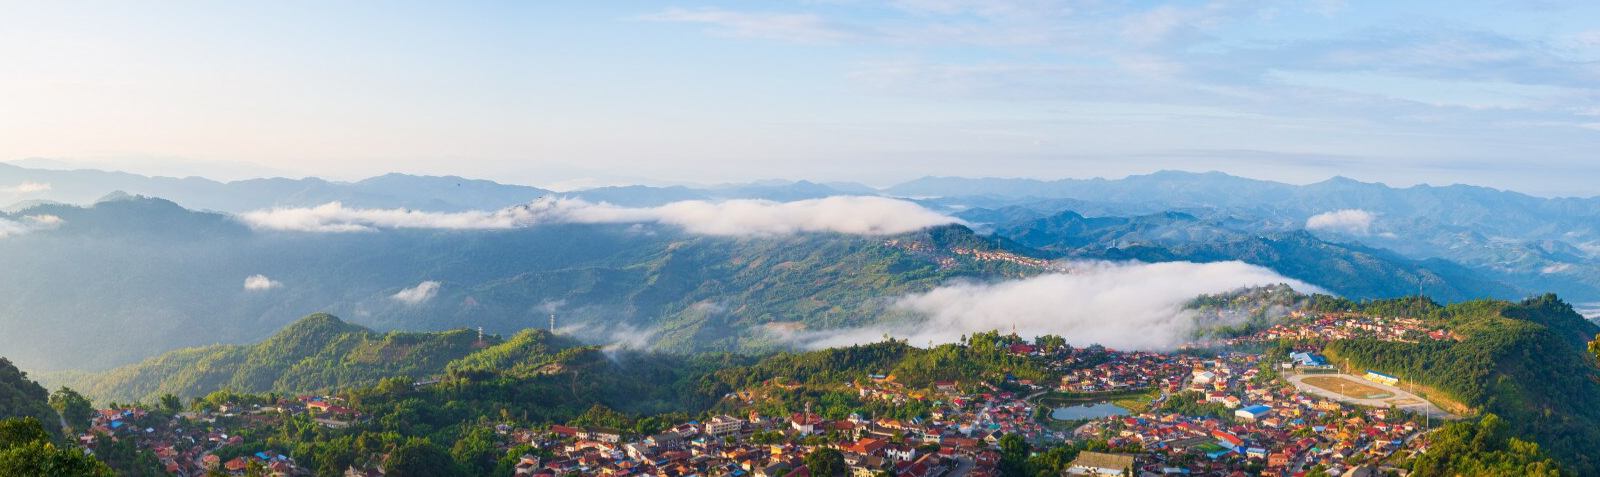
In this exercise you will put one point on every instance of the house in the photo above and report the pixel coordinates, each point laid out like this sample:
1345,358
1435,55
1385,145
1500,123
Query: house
868,446
564,431
665,441
900,453
1278,460
723,425
602,434
527,465
1097,463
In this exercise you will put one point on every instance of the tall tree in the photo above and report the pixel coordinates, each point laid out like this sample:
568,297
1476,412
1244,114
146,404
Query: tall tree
26,450
1014,453
171,402
421,458
826,462
74,408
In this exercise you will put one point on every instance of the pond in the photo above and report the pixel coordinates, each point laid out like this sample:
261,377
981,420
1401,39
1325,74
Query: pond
1087,411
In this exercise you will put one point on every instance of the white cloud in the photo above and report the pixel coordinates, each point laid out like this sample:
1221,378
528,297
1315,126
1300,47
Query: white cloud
1121,305
28,224
419,294
796,27
1348,221
260,283
1556,268
850,215
27,188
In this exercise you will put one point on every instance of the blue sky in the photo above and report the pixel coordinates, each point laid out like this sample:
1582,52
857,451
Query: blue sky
1496,93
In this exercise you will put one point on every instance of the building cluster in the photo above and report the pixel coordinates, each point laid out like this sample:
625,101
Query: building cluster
1271,429
1099,370
950,259
188,444
1343,326
755,446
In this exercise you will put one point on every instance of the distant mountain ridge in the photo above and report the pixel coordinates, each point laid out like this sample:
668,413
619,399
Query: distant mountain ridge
388,191
1350,269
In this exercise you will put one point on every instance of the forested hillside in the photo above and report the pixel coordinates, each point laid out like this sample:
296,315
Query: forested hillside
1526,362
20,397
319,353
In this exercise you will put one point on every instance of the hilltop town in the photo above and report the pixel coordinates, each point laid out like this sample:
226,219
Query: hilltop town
1228,411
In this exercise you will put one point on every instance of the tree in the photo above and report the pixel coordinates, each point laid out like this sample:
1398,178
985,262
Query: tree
16,432
171,402
73,407
826,462
1014,453
421,458
477,451
25,450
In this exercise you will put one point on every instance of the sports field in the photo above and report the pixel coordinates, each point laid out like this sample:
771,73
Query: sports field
1348,387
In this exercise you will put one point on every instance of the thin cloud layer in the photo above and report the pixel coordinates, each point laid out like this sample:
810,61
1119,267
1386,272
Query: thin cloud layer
260,283
1348,221
417,295
27,188
849,215
28,224
1120,305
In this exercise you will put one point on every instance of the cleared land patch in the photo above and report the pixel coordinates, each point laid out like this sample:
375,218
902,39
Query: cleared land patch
1348,387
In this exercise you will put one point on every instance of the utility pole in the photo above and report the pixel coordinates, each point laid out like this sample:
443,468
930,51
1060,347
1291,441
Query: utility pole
552,323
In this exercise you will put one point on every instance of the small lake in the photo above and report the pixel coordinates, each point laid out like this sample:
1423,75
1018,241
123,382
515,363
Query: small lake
1087,411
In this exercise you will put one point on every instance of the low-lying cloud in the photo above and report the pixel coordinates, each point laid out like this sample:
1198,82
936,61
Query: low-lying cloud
260,283
1589,310
844,214
1347,221
28,224
27,188
417,295
1120,305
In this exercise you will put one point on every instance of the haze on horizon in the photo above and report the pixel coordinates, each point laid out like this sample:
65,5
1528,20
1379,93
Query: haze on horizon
1485,92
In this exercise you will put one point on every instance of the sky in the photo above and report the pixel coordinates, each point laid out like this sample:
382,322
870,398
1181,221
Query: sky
563,94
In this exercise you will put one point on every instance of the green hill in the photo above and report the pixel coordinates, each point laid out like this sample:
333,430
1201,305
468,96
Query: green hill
21,397
1526,362
317,353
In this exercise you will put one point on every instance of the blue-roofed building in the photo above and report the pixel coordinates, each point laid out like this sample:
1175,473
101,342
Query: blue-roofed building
1307,359
1253,412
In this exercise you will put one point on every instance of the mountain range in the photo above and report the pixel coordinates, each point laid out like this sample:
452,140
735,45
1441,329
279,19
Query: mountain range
115,274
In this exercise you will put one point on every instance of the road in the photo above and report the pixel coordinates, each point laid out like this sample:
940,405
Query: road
963,465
